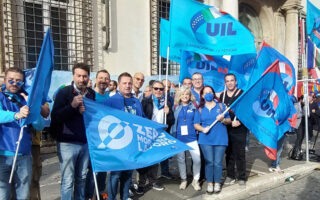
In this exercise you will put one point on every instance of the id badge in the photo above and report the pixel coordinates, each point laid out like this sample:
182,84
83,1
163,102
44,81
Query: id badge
184,130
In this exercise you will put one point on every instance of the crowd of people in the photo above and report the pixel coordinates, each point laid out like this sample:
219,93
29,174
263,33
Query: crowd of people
188,114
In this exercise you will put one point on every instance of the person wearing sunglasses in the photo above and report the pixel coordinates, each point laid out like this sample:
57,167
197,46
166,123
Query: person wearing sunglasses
154,109
13,108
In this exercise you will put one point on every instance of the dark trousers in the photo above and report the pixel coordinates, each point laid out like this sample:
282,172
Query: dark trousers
300,136
150,173
236,155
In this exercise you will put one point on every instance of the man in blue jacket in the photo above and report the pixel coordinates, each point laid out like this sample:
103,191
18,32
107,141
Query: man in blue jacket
67,123
124,101
12,109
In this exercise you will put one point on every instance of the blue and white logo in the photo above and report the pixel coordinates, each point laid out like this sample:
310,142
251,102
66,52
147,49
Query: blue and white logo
114,133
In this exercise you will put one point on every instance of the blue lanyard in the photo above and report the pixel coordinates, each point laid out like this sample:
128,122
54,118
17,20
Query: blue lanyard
185,112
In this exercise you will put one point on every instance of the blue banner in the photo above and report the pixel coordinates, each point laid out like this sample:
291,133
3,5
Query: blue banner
41,81
174,54
121,141
205,29
269,55
313,23
214,68
265,108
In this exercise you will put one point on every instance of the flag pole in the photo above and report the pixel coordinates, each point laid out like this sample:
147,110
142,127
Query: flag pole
96,185
306,89
166,86
159,68
16,154
224,93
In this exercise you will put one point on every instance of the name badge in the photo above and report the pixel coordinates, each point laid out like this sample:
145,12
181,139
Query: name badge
184,130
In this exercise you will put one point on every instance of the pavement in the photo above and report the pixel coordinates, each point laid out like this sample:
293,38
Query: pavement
259,177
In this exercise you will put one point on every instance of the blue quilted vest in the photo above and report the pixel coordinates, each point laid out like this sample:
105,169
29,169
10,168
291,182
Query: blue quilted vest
9,132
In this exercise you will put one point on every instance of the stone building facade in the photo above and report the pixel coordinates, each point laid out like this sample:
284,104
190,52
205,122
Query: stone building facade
122,35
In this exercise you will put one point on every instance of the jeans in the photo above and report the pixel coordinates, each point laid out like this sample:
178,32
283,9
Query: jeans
195,155
21,178
276,163
74,160
213,156
125,181
165,167
36,173
236,154
90,186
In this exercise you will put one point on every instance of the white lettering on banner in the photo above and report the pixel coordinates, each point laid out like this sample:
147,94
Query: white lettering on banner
108,137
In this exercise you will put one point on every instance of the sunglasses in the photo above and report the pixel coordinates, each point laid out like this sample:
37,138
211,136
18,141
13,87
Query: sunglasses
18,83
156,88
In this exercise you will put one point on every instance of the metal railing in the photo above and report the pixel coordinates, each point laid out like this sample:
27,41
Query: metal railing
24,25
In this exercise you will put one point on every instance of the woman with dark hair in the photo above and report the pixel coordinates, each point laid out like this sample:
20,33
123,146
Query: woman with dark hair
213,141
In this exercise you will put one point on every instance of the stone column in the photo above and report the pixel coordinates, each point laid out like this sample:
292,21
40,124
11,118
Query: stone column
216,3
292,36
231,7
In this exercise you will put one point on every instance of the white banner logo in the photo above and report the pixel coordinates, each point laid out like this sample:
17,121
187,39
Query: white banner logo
109,139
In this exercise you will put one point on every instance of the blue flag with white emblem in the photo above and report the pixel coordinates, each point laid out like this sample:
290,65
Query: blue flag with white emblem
119,140
265,108
41,80
214,68
205,29
313,23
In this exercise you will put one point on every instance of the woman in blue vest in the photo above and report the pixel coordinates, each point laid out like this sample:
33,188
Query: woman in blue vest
213,141
184,129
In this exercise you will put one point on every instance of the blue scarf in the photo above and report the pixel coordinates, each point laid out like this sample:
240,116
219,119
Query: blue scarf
158,102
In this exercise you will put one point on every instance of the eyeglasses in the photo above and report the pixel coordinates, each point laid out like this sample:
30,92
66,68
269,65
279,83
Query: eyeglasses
18,83
156,88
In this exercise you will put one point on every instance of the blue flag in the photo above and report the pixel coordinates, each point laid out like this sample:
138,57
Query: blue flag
269,55
118,140
205,29
174,54
310,56
265,108
41,80
214,68
313,23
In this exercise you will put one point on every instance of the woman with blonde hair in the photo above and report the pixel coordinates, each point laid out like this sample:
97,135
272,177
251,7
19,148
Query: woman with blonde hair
184,130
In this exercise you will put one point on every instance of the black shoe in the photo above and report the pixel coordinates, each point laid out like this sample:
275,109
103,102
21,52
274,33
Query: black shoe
140,190
158,187
167,176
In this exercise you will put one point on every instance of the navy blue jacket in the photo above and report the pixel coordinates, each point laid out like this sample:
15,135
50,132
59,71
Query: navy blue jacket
67,122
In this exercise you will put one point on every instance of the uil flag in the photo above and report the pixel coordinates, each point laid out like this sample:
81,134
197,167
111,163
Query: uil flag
205,29
313,23
121,141
41,80
175,54
265,108
214,68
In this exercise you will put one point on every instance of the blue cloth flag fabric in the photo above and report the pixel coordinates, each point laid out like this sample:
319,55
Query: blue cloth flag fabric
118,140
269,55
313,23
214,68
310,57
41,80
265,108
205,29
174,54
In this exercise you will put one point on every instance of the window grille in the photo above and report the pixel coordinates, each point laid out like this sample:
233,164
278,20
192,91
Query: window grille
160,9
26,21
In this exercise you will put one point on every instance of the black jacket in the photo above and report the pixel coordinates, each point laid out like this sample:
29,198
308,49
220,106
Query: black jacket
67,122
147,106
